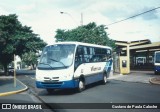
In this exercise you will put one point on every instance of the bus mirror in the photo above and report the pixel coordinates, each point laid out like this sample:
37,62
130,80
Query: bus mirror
39,53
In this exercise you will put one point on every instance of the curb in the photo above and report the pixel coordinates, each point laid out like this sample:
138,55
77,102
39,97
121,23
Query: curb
15,92
154,81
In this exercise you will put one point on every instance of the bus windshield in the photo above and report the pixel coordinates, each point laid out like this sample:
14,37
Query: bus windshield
157,57
57,56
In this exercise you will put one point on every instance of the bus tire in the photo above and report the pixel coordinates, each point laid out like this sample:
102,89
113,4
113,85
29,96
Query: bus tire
81,85
156,73
104,80
50,91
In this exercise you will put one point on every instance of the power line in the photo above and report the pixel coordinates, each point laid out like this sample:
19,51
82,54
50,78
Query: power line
133,16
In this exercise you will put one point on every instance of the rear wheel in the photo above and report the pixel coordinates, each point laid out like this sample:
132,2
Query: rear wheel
104,80
81,85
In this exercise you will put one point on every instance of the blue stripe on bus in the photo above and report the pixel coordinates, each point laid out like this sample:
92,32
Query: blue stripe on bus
93,78
69,84
58,85
157,68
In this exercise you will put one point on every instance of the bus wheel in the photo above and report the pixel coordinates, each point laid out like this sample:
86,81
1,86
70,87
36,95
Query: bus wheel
81,85
50,91
104,80
155,72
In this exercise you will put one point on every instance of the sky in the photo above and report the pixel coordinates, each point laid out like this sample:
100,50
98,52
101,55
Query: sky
45,18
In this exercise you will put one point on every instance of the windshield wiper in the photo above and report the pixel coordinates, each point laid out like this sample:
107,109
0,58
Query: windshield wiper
59,62
46,64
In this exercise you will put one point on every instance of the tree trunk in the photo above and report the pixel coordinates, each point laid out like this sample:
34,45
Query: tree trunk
5,69
33,67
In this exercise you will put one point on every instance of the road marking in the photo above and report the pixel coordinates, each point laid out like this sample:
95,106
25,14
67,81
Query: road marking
32,78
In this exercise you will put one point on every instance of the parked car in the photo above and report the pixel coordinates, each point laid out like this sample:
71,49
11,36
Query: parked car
10,70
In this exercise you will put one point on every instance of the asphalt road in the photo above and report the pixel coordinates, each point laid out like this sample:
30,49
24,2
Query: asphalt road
115,91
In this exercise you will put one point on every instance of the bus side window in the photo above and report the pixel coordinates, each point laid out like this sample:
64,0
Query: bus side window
79,56
96,57
86,54
104,55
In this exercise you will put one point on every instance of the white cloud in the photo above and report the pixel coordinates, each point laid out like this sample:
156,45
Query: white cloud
136,29
2,11
25,8
44,16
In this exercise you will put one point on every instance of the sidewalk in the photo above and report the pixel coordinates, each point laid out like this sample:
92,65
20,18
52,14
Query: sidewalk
138,76
7,86
155,80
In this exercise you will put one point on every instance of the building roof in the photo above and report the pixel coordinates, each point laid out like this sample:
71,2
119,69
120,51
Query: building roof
133,43
139,45
152,47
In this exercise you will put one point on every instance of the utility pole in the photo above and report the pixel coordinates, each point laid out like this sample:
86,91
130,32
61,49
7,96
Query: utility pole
81,19
15,71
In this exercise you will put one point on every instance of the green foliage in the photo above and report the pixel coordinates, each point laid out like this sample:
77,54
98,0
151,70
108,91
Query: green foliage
90,33
16,39
30,58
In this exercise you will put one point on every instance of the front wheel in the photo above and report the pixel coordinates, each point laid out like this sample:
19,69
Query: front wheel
155,72
81,85
50,91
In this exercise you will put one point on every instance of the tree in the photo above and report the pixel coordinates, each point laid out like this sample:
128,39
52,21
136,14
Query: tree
16,39
30,58
90,33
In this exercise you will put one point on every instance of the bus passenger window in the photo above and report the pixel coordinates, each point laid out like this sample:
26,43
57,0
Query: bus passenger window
78,57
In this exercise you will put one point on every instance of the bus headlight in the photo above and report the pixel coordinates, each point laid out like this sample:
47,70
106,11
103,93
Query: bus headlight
67,76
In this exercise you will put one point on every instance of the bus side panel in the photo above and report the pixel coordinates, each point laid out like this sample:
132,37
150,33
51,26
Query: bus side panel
157,68
93,78
92,72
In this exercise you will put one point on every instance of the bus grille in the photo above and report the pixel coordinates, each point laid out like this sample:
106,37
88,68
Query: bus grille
58,83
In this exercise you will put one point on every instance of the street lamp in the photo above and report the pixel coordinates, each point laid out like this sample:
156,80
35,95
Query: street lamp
81,22
64,13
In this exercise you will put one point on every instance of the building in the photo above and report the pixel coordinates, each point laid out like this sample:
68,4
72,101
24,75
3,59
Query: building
141,53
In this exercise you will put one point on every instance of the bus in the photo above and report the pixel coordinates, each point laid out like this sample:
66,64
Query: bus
140,61
73,65
157,62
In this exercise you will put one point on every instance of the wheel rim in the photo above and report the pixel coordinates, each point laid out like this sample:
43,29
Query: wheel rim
81,85
105,79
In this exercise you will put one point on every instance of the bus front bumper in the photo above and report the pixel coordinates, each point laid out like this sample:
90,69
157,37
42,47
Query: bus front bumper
57,85
157,68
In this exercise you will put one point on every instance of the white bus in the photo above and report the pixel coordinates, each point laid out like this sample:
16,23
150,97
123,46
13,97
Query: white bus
157,62
140,61
73,65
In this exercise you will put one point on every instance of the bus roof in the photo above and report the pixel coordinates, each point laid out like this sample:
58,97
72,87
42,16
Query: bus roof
81,43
